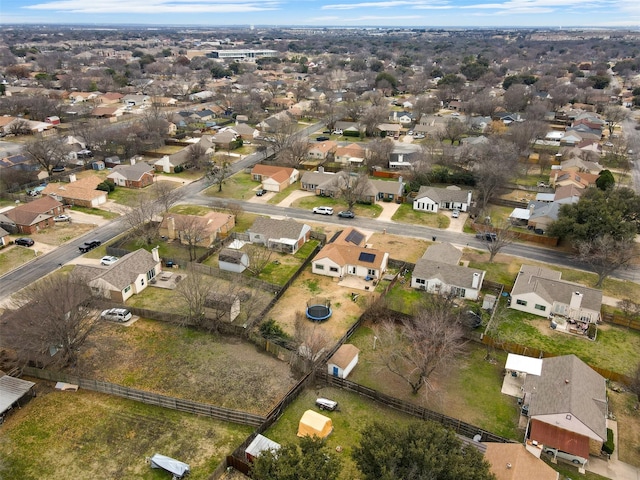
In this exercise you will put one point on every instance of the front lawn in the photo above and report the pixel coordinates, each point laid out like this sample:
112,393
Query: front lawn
406,214
360,209
14,257
87,435
238,187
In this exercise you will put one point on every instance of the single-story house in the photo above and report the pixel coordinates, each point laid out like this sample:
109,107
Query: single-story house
577,164
390,129
139,175
201,230
232,260
274,178
560,178
280,235
439,271
352,153
320,182
224,139
128,276
542,214
321,150
31,217
567,194
4,237
347,255
431,199
110,111
168,163
314,424
389,191
567,406
134,100
81,192
343,361
540,291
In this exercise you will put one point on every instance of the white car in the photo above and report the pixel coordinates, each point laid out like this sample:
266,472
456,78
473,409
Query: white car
116,315
323,210
61,218
455,213
108,260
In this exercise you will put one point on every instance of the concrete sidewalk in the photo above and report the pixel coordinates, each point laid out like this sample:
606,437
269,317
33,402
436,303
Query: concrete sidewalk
613,468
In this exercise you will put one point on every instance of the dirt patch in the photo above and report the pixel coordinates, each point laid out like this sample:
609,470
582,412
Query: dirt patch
308,286
399,248
62,232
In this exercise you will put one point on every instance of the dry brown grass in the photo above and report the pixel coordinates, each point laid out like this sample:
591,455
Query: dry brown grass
625,407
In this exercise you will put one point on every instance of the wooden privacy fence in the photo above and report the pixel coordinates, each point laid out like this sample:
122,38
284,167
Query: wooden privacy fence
621,320
179,404
460,427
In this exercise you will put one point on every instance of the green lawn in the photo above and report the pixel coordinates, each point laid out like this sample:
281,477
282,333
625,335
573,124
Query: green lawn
280,196
363,210
86,435
406,214
13,257
239,187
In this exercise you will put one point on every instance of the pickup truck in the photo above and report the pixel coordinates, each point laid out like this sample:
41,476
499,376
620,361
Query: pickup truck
90,245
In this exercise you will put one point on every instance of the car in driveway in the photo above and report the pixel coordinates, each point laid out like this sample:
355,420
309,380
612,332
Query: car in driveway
58,169
260,192
323,210
61,218
455,213
346,214
120,315
108,260
24,242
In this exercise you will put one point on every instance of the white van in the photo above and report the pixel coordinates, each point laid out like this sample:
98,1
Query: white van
565,456
119,315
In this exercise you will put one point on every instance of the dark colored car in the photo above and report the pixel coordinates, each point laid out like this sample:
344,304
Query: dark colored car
260,192
25,242
322,138
58,169
346,214
90,245
487,236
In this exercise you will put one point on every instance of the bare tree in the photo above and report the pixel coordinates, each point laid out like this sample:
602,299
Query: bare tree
372,117
57,312
630,308
524,135
516,97
47,151
352,187
198,156
218,173
493,164
19,127
501,236
605,254
453,130
193,290
259,258
311,339
293,151
166,195
378,152
141,219
419,345
614,116
190,230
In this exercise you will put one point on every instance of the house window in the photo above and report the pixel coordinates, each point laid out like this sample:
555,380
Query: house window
333,269
126,289
421,281
540,307
151,273
458,292
371,271
319,267
521,302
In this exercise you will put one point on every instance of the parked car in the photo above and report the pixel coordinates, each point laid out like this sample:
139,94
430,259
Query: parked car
346,214
565,456
543,184
260,192
108,260
418,136
322,138
337,132
58,169
25,242
326,404
455,213
61,218
90,245
116,315
487,236
323,210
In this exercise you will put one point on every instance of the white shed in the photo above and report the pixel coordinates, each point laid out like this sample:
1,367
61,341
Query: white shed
233,260
343,361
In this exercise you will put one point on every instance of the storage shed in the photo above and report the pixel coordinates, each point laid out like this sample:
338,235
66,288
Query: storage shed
259,445
313,424
233,260
11,391
343,361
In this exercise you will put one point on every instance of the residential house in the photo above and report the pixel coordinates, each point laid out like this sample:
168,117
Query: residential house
273,122
507,118
201,230
560,178
389,129
110,111
387,190
567,406
29,218
403,118
202,96
321,150
350,154
568,194
4,236
139,175
135,100
280,235
81,97
320,182
224,138
109,98
540,291
81,192
128,276
542,214
577,164
432,199
347,254
246,132
274,178
343,361
168,163
512,461
439,271
232,260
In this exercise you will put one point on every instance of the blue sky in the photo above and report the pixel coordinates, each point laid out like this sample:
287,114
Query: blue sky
337,13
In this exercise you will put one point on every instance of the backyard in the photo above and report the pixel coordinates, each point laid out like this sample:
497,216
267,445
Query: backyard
86,435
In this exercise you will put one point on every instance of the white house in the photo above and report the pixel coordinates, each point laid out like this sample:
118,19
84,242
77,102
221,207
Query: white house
343,361
432,199
439,271
539,291
232,260
281,235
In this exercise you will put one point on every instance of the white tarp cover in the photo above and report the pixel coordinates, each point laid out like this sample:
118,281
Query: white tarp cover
11,390
169,464
520,363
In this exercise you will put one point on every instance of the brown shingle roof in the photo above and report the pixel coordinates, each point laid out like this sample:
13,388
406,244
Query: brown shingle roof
344,355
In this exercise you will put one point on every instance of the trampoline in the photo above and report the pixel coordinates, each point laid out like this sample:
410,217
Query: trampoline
319,310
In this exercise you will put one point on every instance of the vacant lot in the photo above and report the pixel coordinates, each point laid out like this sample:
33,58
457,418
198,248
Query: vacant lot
185,363
86,435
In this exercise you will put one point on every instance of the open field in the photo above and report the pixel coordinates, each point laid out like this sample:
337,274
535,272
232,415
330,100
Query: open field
85,435
185,363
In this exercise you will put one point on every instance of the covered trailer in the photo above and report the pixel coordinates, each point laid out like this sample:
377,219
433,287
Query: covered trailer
315,424
175,467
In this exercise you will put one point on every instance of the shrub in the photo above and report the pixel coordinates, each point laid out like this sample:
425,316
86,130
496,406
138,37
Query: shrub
106,186
178,169
270,329
591,331
351,133
608,446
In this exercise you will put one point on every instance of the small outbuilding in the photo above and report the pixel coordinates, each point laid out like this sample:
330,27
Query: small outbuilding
12,390
342,362
233,260
175,467
314,424
259,445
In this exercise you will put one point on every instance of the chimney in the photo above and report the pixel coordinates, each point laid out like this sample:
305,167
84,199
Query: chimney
133,160
469,199
576,300
320,169
156,255
400,179
72,177
475,283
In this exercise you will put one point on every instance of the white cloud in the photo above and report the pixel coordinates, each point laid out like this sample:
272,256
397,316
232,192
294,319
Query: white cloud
155,6
421,4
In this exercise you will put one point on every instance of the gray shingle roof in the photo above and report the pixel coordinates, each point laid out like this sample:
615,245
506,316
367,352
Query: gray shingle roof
122,273
568,385
443,252
272,228
230,255
443,194
454,275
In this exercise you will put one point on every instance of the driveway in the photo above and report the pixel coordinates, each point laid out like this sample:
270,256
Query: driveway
287,202
388,210
613,468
